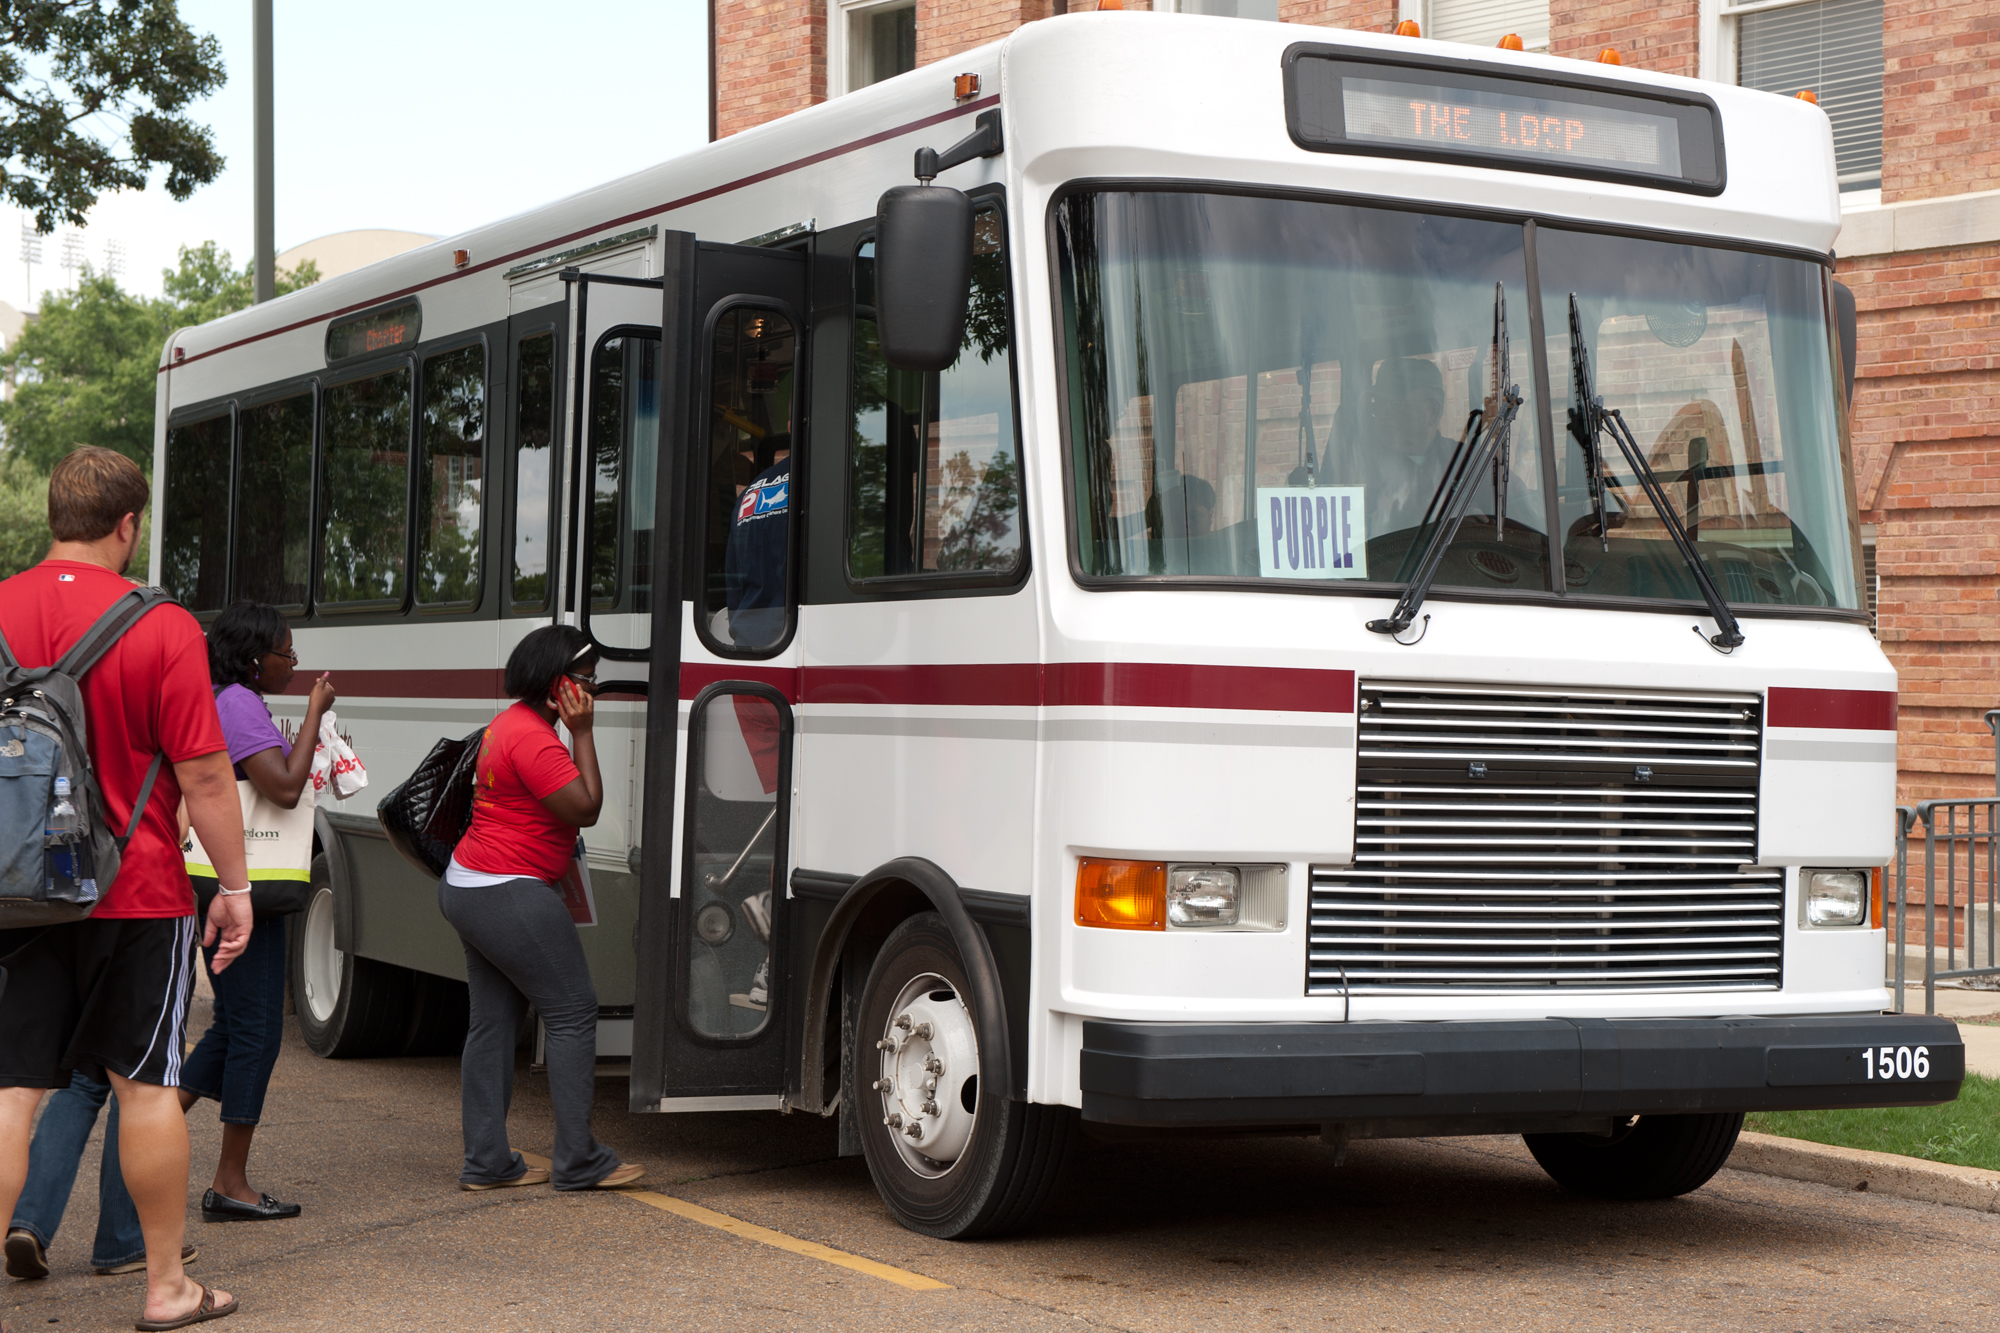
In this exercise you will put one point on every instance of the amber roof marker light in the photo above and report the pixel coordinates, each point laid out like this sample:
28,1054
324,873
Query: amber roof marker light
1409,28
1807,95
964,87
1609,56
1512,42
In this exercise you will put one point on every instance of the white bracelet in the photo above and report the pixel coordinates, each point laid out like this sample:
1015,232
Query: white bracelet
232,893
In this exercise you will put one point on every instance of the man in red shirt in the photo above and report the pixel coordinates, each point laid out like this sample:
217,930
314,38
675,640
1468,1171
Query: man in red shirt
112,990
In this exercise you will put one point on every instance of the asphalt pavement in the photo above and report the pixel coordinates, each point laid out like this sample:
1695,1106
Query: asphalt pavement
1251,1234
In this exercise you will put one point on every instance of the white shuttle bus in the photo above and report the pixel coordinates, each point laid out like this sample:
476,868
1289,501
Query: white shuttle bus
1141,631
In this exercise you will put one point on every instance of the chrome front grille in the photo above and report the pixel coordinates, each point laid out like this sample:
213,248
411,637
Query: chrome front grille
1552,839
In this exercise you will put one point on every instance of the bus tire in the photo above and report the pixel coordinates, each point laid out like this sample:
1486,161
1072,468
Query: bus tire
1652,1157
440,1011
347,1006
1005,1156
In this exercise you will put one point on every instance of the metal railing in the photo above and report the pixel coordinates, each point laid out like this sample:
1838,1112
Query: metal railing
1962,856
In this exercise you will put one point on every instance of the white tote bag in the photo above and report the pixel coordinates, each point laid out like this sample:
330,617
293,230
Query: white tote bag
277,846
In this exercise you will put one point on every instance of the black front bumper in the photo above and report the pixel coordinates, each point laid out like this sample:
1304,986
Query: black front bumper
1539,1071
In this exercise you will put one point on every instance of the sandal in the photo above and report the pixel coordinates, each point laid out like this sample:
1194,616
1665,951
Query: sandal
204,1310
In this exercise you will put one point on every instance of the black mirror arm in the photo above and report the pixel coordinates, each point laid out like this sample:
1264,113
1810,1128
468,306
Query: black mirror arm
982,142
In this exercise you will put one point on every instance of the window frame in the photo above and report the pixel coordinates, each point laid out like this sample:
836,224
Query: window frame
694,510
419,457
1547,427
888,587
380,606
309,386
550,319
225,407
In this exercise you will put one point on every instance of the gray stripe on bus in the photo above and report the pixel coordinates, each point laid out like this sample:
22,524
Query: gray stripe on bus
1309,736
1834,752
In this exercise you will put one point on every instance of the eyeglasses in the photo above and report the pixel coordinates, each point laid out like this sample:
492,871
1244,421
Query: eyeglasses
289,654
588,682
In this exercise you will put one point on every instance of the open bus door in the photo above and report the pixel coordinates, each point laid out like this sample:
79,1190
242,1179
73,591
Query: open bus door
710,1025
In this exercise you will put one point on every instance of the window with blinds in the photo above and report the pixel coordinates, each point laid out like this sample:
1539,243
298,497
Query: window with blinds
1485,22
1833,47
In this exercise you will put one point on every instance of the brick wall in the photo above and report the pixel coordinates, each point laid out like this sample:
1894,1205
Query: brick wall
1659,35
770,60
1360,15
946,27
1927,457
1940,102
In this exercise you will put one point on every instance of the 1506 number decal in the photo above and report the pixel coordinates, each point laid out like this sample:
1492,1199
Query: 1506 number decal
1897,1062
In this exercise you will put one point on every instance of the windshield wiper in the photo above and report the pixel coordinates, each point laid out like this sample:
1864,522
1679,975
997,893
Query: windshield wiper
1486,444
1588,419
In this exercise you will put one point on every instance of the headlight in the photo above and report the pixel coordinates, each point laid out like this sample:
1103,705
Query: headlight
1833,897
1203,896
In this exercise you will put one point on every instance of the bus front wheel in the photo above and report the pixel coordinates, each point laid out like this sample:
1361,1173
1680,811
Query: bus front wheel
1647,1157
952,1159
347,1006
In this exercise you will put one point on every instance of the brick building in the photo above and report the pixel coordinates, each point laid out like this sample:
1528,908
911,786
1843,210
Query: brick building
1911,90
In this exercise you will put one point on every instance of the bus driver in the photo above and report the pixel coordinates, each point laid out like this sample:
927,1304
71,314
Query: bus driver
1409,455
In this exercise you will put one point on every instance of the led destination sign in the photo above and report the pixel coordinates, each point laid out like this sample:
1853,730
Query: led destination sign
1359,106
377,331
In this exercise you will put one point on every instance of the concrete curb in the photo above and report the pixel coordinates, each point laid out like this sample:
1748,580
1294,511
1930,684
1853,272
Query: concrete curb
1875,1172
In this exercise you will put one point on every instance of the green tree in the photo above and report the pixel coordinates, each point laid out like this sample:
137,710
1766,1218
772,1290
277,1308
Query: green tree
86,368
69,68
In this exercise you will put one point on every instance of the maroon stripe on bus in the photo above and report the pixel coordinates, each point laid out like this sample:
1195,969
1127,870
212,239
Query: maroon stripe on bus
683,202
466,683
698,676
992,685
1845,710
1177,685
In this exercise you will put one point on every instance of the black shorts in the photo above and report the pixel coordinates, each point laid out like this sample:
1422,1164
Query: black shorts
110,993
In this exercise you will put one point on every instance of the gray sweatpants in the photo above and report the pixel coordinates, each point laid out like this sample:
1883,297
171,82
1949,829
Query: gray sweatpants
520,948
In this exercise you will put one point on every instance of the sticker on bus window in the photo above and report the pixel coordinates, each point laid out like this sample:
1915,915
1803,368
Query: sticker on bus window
1311,533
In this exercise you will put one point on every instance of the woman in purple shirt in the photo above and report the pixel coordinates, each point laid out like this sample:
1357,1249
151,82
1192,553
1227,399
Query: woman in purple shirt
249,656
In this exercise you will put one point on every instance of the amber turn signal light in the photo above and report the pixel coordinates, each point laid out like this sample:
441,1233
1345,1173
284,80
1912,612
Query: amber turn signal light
1409,28
1121,895
1609,56
1512,42
1875,899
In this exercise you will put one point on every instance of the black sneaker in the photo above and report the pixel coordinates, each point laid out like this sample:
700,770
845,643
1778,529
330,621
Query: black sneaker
221,1208
25,1256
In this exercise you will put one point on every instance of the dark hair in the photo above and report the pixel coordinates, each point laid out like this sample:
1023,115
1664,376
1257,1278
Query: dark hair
542,658
238,640
91,489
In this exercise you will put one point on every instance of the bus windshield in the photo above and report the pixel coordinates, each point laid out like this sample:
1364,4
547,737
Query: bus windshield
1280,389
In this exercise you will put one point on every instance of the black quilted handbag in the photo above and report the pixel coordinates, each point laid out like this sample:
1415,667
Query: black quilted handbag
429,813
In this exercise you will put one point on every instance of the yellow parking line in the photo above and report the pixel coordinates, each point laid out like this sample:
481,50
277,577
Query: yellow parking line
708,1217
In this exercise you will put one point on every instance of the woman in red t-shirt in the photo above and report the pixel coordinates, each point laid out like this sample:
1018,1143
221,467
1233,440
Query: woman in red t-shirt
521,947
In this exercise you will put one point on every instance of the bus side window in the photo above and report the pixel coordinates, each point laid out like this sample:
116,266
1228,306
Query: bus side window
367,471
624,458
747,539
934,481
451,479
274,502
534,429
194,548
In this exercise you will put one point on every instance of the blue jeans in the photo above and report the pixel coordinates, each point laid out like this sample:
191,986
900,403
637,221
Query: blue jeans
52,1161
233,1061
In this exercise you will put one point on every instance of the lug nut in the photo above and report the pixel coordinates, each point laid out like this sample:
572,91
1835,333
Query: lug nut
885,1045
902,1022
930,1083
924,1030
914,1130
883,1085
893,1120
933,1065
930,1109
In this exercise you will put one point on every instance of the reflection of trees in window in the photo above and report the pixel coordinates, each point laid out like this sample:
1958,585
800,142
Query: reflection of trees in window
624,448
274,498
933,477
534,429
194,548
367,489
451,479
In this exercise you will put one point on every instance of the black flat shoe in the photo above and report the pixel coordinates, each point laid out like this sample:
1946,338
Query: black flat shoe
221,1208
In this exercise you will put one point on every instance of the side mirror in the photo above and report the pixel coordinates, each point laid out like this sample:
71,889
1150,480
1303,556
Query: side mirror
1843,321
923,274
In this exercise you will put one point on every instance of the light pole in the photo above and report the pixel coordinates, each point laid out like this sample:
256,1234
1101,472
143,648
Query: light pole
265,259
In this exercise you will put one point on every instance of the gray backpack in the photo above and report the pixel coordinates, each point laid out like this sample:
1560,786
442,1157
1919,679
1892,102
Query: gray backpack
42,738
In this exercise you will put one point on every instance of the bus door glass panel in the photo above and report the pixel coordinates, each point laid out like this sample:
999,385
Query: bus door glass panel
1281,389
194,546
934,482
1721,363
752,357
739,737
451,479
365,533
274,501
622,481
537,391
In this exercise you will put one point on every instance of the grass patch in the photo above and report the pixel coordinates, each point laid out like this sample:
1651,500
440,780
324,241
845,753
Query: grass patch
1964,1133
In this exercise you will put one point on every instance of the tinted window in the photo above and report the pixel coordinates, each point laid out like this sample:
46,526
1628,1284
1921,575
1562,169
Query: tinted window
624,447
194,549
451,482
534,428
752,354
367,490
934,481
274,501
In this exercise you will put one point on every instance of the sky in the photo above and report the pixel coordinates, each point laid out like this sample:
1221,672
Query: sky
425,115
